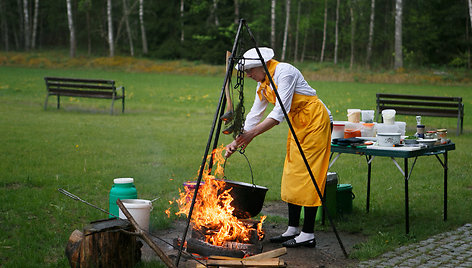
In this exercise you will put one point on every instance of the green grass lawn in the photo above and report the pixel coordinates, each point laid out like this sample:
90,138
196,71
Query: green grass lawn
160,141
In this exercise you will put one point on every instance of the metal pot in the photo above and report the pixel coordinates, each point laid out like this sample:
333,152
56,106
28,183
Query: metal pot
248,199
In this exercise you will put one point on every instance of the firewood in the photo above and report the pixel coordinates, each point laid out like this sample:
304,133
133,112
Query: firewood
269,254
72,252
103,244
273,262
143,235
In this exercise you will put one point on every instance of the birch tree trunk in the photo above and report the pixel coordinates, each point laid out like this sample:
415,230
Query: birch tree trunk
353,32
470,12
143,30
27,31
323,45
182,32
236,12
35,24
70,21
110,29
272,24
4,22
336,34
287,20
398,35
302,57
297,33
215,12
371,33
128,28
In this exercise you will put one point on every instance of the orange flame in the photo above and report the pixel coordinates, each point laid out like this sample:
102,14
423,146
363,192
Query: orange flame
212,215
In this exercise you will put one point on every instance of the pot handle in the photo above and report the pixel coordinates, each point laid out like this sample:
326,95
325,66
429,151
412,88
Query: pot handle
242,151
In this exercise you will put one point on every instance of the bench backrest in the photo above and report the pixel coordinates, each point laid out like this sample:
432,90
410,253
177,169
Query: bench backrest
420,105
59,84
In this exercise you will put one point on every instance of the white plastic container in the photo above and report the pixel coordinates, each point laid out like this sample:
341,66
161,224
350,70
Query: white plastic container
389,116
354,115
385,128
388,139
140,209
338,130
368,130
367,116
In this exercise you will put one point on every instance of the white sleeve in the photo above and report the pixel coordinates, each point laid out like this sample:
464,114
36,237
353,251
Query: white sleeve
286,84
255,115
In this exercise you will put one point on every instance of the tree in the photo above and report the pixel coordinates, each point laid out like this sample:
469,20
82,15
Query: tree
26,25
324,31
128,28
35,24
287,21
336,34
353,33
470,12
297,31
143,30
236,12
398,35
272,23
70,21
110,29
371,33
4,22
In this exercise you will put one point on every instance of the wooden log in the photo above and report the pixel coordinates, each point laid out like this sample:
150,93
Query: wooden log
103,244
143,235
273,262
72,248
269,254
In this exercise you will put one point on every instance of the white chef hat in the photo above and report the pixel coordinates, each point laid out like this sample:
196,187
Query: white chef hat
252,60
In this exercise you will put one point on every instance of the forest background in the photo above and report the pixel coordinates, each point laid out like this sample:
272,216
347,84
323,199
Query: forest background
388,34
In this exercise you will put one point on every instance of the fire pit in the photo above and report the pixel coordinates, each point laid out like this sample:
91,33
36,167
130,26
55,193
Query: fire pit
216,228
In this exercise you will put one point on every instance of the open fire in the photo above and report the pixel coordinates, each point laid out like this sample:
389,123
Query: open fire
212,218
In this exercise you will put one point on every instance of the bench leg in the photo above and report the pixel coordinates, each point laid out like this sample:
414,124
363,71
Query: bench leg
46,102
112,102
123,105
58,101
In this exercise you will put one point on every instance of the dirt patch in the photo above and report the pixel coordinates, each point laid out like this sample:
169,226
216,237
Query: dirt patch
327,253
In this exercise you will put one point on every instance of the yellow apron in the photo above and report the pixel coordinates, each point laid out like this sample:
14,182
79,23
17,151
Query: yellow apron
311,123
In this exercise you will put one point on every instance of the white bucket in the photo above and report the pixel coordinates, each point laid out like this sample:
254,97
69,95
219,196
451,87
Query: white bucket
367,116
389,116
354,115
139,209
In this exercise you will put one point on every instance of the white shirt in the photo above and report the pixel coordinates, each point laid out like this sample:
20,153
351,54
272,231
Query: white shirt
289,80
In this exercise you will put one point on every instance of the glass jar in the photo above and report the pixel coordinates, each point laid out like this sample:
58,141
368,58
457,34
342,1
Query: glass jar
431,134
442,135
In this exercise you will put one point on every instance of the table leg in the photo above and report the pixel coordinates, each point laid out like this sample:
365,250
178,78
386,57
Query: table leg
407,212
445,186
369,172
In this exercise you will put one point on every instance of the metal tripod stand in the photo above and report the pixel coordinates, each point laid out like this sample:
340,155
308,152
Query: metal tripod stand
217,122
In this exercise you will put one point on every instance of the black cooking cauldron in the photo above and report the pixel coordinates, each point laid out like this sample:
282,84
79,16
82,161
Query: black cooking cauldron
248,199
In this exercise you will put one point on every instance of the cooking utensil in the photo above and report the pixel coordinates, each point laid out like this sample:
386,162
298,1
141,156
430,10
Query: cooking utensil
248,199
228,116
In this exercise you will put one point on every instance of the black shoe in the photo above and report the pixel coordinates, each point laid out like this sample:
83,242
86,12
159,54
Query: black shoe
292,243
280,238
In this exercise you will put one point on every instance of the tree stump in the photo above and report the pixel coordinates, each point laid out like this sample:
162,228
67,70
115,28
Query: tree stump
103,244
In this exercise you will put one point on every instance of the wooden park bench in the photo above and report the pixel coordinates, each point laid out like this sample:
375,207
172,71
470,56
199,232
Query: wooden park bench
88,88
422,105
